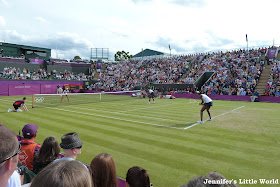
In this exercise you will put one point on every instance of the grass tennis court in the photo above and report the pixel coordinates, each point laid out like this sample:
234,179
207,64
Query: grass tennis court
242,141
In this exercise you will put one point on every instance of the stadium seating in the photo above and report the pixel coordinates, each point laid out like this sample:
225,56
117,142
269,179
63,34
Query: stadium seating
12,60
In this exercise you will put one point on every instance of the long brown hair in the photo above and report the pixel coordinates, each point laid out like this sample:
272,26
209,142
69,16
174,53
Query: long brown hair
103,171
63,173
49,150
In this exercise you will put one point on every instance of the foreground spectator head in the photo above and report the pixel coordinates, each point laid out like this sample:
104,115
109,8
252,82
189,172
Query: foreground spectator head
48,153
71,144
137,177
9,150
103,171
195,182
63,174
213,178
216,176
71,141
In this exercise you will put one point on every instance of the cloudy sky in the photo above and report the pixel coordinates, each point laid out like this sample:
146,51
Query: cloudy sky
72,28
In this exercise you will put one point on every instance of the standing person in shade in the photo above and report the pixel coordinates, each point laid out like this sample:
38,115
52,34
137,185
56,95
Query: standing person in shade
58,89
29,147
18,105
151,95
207,103
64,93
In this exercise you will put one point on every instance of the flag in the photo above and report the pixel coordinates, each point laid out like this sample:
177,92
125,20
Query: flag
169,47
246,38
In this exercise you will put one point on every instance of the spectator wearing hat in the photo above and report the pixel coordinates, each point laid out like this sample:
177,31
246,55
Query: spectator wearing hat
9,149
29,146
71,145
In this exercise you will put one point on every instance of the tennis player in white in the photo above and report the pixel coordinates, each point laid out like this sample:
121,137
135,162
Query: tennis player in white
207,103
64,93
151,95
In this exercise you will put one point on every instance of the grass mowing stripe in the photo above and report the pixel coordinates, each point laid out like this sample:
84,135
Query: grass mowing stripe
213,118
171,146
252,139
127,114
247,134
122,119
228,145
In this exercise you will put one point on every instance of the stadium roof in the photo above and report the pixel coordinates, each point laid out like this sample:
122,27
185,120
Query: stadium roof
24,46
148,52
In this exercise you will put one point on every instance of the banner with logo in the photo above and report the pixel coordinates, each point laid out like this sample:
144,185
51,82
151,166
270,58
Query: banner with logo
271,53
49,88
36,61
4,90
24,89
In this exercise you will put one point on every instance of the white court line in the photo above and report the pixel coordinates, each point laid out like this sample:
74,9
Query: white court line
113,118
214,117
122,113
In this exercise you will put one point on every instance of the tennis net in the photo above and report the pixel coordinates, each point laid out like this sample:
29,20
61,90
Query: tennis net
49,100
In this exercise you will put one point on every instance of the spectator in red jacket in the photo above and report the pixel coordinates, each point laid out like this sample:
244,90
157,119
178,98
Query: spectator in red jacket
29,146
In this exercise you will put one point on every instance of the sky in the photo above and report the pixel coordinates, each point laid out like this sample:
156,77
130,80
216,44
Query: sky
73,28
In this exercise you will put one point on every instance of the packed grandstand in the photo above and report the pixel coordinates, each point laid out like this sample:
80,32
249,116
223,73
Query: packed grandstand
237,72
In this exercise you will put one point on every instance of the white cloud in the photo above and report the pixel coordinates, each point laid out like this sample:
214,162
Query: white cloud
130,25
40,19
14,37
67,44
2,21
5,3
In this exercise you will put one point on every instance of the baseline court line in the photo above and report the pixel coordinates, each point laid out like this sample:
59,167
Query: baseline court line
113,118
214,117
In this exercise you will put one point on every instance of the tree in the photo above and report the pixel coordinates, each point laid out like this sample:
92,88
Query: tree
77,58
122,55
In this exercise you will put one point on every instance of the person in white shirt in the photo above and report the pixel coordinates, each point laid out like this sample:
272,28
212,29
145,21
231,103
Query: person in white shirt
151,95
207,103
14,180
64,93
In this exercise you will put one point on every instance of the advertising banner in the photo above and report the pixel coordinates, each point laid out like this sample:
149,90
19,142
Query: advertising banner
4,90
48,88
271,53
24,89
36,61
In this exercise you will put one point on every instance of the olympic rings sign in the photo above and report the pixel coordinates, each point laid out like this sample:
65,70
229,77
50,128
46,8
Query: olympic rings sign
39,99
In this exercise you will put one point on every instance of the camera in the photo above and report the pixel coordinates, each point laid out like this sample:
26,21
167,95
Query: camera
21,170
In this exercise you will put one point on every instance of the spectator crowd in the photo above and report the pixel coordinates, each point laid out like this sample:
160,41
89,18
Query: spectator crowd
48,168
12,73
273,85
237,72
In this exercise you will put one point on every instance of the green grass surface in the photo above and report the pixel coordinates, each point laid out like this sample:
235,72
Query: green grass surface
242,141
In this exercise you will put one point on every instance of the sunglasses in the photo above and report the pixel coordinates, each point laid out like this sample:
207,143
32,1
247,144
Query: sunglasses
15,154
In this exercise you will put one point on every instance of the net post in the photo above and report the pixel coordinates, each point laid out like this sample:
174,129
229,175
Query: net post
33,104
100,96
